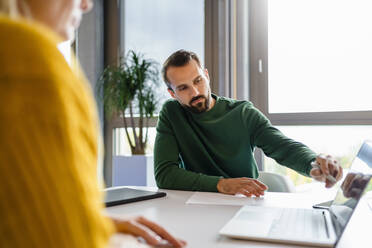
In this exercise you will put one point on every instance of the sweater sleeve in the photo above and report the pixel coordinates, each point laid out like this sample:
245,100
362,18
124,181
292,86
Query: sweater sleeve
276,145
168,171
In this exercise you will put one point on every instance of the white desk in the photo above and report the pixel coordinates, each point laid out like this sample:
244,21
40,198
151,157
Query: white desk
199,224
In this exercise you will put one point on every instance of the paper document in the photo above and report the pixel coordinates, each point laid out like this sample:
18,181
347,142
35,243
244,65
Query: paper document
269,199
208,198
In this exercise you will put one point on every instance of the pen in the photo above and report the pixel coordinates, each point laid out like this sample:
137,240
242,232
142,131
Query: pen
329,177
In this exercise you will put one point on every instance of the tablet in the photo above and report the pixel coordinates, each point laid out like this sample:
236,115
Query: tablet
123,195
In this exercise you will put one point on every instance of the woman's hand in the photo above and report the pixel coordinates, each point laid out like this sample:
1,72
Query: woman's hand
151,232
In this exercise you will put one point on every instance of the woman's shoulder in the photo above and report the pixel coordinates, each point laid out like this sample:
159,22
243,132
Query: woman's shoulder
23,30
27,47
33,70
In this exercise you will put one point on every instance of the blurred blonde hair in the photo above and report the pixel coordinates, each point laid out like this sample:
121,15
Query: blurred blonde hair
12,8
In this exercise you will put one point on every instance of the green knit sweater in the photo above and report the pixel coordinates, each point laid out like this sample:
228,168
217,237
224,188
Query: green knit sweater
193,151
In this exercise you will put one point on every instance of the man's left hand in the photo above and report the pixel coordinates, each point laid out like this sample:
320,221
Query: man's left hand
327,166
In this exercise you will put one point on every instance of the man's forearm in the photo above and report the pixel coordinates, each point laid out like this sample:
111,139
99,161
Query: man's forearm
286,151
173,177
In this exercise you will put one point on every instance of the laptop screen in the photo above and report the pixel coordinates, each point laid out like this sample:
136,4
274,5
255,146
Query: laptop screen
355,183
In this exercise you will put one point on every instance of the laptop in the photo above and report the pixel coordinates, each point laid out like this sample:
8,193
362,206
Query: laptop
122,195
364,151
312,227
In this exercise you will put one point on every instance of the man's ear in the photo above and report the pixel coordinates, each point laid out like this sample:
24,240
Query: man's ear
171,92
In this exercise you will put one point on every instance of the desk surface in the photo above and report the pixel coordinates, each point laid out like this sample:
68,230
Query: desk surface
199,224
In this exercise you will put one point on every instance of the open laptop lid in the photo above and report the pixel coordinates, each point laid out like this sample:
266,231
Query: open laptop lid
355,184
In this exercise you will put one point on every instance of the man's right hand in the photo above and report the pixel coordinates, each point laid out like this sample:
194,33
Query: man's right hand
243,185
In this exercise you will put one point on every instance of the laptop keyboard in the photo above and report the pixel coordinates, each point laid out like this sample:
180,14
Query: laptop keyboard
302,223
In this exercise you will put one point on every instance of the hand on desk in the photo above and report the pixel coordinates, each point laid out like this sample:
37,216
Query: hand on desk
243,185
151,232
328,166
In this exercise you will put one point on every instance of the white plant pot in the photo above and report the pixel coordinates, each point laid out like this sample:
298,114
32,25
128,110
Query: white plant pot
135,170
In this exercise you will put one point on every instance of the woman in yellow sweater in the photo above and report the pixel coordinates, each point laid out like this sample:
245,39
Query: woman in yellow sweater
49,194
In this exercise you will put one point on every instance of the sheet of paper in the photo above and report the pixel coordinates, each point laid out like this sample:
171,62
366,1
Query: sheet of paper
207,198
269,199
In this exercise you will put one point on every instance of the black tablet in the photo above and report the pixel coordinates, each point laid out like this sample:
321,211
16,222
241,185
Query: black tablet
123,195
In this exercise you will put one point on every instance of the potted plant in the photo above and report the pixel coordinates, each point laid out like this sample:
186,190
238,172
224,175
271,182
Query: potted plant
128,93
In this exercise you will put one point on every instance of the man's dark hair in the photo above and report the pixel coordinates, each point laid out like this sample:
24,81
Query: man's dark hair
178,59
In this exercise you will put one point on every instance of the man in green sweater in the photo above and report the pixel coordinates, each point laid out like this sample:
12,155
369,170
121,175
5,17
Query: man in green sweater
205,142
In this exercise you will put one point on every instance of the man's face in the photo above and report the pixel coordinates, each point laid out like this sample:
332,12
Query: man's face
190,86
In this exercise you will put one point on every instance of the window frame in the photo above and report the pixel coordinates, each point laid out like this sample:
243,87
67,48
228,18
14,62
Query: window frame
258,33
258,83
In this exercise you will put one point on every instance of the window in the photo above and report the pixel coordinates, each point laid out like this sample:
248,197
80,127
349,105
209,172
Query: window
157,29
121,145
342,142
324,58
310,73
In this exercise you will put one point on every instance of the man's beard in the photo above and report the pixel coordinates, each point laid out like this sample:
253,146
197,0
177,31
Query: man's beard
200,107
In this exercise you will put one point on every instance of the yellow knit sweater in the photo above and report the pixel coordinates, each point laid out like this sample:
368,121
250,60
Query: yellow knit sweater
49,195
